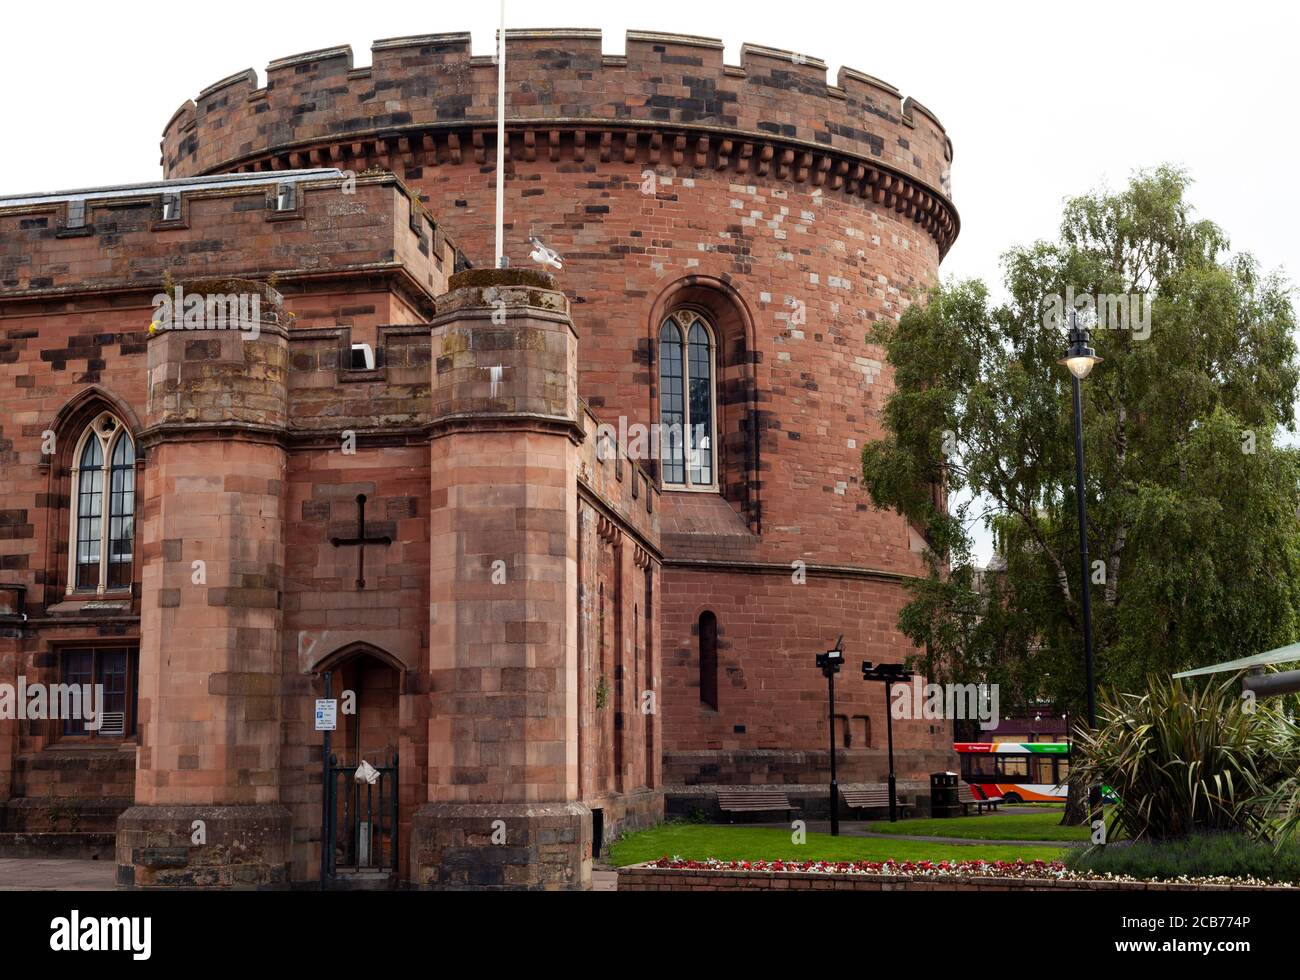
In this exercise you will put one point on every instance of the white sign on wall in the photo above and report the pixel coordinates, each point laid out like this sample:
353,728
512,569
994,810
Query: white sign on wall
327,714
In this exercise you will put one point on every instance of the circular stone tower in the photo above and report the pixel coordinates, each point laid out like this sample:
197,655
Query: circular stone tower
784,213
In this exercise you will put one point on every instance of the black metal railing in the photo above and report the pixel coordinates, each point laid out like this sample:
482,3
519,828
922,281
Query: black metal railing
360,820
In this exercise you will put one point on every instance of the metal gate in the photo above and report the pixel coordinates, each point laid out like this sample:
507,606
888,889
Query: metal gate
360,832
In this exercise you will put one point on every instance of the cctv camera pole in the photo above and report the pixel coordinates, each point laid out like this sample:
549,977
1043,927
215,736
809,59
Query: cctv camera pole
830,662
835,783
889,675
501,138
889,728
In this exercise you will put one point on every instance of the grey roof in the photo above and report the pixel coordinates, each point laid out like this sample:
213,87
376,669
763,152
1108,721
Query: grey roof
1282,655
172,186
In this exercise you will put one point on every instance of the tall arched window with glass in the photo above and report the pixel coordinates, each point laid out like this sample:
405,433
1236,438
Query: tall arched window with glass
103,484
687,362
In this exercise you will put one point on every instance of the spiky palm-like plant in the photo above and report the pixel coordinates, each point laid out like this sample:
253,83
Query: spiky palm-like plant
1183,758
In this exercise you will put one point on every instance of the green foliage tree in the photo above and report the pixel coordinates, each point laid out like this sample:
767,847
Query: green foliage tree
1191,499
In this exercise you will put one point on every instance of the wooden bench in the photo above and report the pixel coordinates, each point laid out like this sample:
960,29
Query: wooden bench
732,801
967,798
872,798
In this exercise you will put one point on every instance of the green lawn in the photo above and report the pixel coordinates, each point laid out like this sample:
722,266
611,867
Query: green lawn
741,843
1044,825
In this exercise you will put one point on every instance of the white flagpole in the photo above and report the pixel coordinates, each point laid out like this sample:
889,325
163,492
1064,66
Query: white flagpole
501,138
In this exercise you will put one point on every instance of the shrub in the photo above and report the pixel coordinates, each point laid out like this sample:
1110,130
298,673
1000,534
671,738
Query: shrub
1229,854
1184,759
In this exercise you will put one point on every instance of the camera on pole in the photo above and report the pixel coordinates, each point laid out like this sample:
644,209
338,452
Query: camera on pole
889,675
830,663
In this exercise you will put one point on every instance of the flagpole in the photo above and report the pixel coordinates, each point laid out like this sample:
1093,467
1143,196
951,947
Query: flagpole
501,137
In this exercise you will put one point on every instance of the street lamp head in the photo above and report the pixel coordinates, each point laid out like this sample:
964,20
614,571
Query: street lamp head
1080,358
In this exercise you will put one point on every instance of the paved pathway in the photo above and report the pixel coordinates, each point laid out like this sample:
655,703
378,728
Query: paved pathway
56,875
50,874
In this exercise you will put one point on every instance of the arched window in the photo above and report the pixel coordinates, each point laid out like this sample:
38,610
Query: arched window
687,405
103,502
709,660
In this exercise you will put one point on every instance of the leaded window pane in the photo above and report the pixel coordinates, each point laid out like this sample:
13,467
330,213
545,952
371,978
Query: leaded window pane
90,510
121,525
672,414
701,404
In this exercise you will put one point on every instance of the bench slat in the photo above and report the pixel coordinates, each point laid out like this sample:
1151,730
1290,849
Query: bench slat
870,798
750,801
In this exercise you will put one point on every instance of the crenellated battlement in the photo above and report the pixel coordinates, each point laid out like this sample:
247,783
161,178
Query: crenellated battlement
121,238
668,101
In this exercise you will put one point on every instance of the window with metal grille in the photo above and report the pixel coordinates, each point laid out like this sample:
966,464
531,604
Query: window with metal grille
115,671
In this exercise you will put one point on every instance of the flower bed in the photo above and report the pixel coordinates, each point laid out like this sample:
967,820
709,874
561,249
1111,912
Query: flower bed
678,874
909,869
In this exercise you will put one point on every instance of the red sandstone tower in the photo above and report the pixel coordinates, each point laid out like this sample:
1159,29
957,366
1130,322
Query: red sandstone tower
729,235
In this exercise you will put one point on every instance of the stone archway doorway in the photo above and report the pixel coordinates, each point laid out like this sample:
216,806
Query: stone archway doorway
360,819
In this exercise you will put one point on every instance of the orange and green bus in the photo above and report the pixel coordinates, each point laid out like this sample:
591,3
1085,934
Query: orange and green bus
1019,772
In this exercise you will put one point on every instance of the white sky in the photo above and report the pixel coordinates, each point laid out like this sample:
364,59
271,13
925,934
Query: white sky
1042,100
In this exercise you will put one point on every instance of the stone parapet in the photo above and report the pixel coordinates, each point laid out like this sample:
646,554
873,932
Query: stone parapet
123,243
504,346
669,99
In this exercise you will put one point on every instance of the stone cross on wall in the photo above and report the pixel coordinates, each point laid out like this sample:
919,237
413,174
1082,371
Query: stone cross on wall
361,540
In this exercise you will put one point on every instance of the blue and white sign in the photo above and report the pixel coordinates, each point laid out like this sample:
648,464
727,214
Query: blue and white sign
327,714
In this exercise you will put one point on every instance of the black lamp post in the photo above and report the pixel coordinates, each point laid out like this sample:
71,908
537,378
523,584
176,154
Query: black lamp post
1080,360
830,662
889,674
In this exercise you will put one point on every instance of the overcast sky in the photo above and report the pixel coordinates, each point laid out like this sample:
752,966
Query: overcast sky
1042,100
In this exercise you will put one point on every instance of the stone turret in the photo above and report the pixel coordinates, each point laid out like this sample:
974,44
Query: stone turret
503,804
212,538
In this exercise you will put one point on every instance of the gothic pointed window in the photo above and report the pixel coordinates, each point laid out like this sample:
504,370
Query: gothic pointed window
103,505
687,405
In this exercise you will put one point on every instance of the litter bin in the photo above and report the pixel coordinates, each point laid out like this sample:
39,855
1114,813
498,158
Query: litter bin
943,795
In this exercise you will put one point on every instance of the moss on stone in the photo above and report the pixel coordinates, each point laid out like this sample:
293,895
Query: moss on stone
484,278
228,285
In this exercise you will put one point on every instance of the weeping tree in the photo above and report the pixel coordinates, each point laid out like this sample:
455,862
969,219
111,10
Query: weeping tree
1193,530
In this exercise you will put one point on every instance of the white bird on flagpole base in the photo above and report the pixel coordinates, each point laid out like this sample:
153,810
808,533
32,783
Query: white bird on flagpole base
545,257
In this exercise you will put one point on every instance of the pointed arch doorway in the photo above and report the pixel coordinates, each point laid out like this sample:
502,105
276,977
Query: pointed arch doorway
360,820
